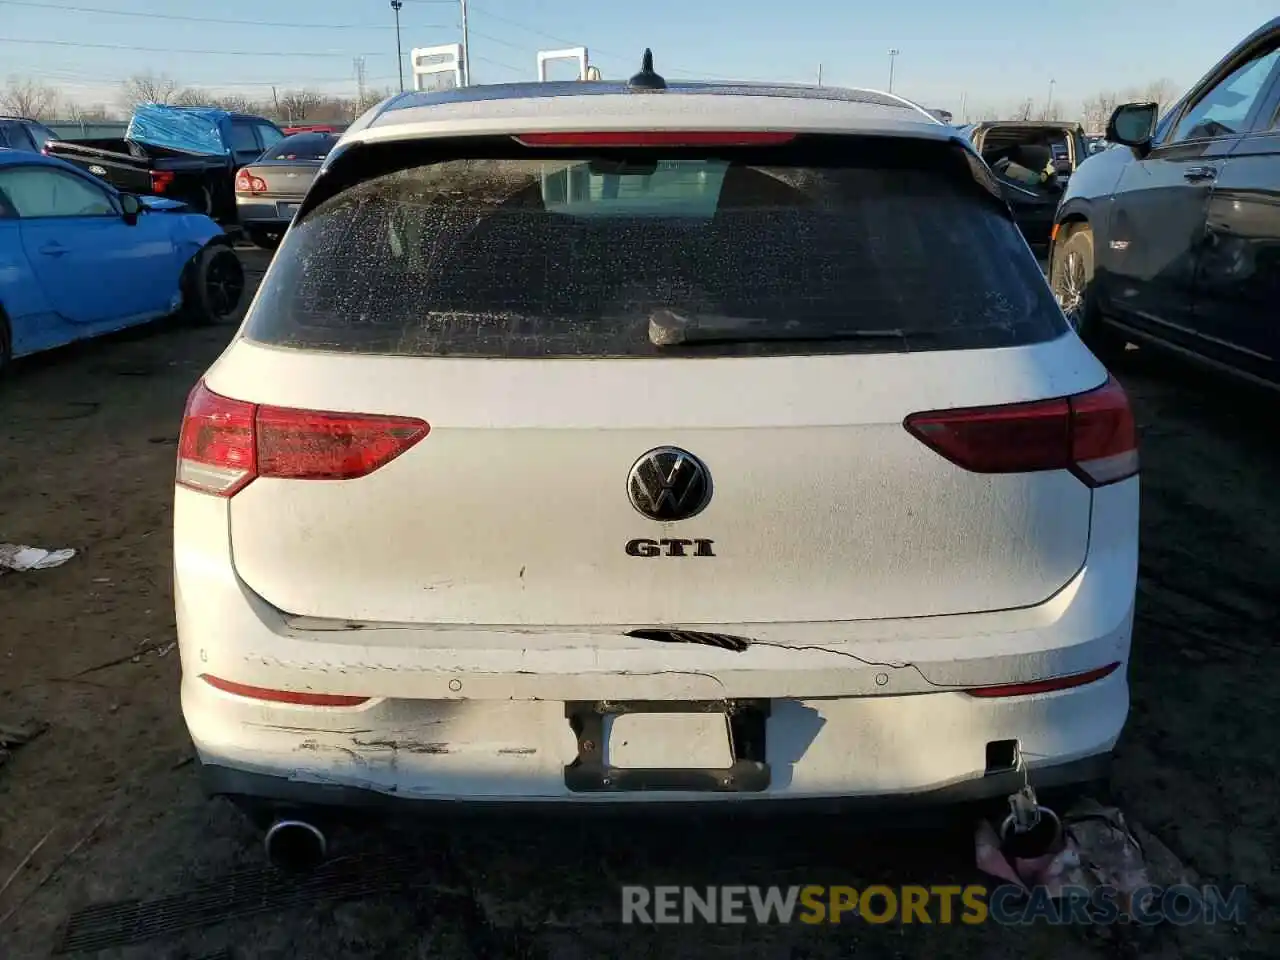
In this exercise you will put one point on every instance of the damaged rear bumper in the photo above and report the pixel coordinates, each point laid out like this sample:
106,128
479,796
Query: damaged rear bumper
875,710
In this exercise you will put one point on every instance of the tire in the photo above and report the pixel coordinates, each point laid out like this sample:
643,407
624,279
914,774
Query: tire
215,285
263,239
1071,279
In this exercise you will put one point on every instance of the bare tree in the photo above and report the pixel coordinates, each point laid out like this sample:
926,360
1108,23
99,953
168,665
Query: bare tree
1023,109
26,98
1097,110
95,113
192,97
1163,91
238,103
148,88
299,105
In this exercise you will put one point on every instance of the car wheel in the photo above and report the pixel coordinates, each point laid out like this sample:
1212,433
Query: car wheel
216,284
1071,279
264,239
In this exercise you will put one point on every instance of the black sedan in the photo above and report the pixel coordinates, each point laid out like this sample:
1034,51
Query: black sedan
1173,236
269,190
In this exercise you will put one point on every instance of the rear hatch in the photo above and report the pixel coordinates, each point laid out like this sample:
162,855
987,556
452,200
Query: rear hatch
556,313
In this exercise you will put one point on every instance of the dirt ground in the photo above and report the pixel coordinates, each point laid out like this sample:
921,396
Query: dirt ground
86,460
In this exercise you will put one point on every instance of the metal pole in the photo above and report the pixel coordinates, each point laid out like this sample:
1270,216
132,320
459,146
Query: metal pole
466,47
1048,110
892,56
396,5
819,74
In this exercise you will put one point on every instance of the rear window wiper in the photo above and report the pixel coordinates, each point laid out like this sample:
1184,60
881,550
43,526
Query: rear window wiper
669,329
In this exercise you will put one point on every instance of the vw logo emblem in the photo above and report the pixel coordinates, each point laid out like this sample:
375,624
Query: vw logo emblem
668,483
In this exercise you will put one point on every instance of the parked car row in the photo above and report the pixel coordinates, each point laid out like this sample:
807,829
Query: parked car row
79,258
1172,237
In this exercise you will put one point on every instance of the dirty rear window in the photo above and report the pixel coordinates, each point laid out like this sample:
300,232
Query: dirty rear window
303,146
534,257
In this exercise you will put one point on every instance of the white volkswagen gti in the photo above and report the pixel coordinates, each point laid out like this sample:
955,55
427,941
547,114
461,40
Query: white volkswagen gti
609,443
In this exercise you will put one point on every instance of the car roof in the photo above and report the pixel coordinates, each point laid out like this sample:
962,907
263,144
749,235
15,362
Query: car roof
510,108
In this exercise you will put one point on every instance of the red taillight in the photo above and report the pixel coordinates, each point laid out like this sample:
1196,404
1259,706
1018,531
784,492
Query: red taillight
217,452
248,183
1091,434
657,138
160,180
227,443
282,696
1045,686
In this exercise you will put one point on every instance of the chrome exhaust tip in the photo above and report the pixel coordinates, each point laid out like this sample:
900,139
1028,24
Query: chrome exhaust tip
295,845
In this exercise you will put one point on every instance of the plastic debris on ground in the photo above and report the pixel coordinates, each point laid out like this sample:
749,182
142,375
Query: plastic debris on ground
20,558
1094,847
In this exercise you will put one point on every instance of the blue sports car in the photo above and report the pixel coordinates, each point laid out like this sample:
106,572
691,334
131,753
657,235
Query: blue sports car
79,259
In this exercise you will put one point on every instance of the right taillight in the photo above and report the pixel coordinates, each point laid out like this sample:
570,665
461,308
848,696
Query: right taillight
226,443
1091,434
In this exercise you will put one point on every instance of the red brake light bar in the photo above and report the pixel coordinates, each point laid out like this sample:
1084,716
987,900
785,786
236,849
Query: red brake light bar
282,696
1045,686
226,443
1091,434
160,180
657,138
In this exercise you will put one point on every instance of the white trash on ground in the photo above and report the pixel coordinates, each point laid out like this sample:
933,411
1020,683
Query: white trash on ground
20,558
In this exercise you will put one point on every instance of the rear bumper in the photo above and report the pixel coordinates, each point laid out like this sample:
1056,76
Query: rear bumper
870,709
263,214
281,792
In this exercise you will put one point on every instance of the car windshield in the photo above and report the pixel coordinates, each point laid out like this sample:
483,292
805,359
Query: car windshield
537,258
303,146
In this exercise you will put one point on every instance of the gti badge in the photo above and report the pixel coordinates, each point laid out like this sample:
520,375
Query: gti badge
668,483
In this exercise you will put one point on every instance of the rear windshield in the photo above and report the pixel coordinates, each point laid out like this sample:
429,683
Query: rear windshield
303,146
588,257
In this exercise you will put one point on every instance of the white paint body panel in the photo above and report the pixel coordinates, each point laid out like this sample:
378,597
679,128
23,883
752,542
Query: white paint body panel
476,583
860,708
514,510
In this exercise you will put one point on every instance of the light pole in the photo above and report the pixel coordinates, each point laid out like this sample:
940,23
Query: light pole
466,47
1048,108
893,55
396,5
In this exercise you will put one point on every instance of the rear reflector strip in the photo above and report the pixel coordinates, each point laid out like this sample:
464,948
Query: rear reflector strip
657,138
282,696
1045,686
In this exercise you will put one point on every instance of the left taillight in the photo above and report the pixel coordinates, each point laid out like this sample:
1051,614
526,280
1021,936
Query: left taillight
225,444
246,182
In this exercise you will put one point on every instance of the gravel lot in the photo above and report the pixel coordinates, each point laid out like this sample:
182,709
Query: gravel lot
86,460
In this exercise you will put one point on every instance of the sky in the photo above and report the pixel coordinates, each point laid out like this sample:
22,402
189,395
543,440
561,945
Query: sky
951,55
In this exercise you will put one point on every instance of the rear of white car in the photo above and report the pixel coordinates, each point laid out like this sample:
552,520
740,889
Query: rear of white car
679,446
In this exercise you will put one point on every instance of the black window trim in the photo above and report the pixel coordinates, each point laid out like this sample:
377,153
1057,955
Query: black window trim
1259,48
113,196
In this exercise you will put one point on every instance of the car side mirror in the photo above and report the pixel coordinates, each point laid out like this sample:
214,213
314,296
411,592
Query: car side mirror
1134,124
131,206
